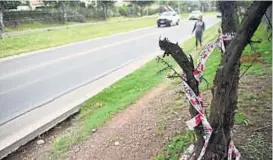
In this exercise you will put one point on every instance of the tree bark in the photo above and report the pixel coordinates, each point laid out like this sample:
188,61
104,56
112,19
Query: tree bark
229,17
63,12
104,6
1,21
224,101
187,66
226,80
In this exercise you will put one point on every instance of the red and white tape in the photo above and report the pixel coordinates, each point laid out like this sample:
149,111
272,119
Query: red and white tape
197,103
205,53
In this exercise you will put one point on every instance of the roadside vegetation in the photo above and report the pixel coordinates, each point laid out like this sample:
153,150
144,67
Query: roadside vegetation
39,25
102,107
260,56
51,38
35,41
186,15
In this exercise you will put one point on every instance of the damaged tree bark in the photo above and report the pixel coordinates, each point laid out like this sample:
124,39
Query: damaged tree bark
186,64
226,80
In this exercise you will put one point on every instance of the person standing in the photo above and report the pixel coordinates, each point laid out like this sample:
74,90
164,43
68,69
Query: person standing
199,28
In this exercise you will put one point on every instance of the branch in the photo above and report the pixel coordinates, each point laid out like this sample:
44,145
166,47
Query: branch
186,64
246,31
262,128
249,66
175,75
269,21
179,56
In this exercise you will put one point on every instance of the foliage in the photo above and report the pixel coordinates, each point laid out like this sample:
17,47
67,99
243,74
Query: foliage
141,4
240,118
176,146
123,10
9,4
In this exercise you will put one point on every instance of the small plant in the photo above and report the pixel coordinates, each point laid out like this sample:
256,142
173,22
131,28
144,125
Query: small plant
240,119
251,96
176,146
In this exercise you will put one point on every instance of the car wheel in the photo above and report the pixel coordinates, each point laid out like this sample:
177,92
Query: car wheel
158,25
171,23
177,23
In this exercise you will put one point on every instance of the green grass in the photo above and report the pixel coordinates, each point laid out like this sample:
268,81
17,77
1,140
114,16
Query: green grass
39,25
34,41
100,108
35,25
240,118
186,15
265,48
106,104
176,146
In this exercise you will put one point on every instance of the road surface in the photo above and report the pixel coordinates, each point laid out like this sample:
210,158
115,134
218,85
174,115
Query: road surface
31,81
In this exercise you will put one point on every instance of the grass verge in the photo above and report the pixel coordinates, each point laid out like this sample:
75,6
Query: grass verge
39,25
261,65
186,15
34,41
100,108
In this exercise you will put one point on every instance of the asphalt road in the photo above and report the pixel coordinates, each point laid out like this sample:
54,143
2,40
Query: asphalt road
30,81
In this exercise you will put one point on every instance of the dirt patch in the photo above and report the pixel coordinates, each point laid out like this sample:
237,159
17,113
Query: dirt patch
254,139
255,57
137,133
142,130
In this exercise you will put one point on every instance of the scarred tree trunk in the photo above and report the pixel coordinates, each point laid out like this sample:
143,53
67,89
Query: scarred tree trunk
226,80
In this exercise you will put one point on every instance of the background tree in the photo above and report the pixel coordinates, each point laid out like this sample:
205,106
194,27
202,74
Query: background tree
6,5
63,6
224,91
105,6
142,4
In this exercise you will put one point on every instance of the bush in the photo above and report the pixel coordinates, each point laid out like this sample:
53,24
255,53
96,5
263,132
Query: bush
123,10
152,11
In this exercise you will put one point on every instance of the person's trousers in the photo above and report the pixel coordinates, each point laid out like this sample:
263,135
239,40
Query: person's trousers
198,36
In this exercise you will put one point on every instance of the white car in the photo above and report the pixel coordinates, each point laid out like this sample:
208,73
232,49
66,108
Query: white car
219,15
169,18
195,15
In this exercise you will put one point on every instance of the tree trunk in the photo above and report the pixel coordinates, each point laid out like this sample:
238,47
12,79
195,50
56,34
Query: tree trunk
226,80
63,12
104,6
229,17
187,66
1,22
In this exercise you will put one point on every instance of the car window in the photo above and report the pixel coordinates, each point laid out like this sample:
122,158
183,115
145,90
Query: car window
166,14
195,12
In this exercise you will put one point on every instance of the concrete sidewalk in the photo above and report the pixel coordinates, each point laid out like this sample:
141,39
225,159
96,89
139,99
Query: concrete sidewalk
30,125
